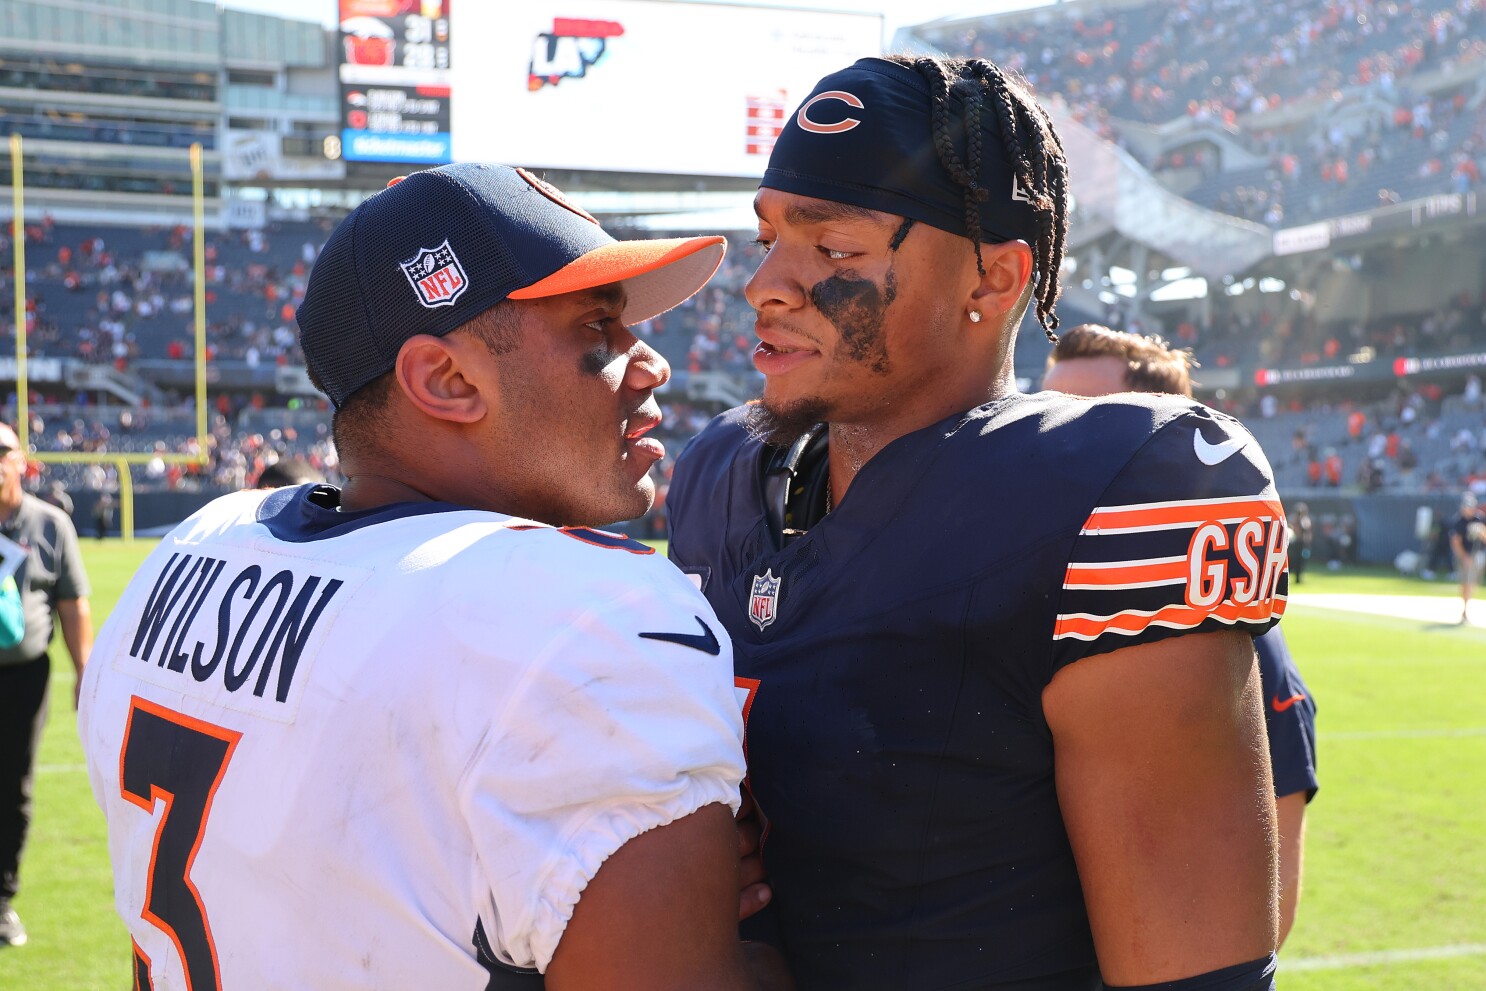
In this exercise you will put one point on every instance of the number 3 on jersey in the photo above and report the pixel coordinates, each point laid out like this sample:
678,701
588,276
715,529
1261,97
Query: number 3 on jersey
173,758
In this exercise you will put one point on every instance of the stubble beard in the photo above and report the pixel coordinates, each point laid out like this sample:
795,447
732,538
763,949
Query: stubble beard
781,424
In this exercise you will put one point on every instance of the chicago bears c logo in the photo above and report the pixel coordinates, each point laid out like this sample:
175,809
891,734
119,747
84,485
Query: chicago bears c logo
803,117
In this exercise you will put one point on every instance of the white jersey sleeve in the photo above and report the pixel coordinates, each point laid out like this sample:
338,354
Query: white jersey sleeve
610,733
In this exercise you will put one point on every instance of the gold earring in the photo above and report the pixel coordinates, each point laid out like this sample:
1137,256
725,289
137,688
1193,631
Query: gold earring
975,316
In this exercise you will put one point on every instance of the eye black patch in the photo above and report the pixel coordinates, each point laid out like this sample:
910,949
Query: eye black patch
595,361
857,308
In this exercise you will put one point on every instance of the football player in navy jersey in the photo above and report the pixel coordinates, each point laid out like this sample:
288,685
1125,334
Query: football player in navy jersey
1003,720
1091,360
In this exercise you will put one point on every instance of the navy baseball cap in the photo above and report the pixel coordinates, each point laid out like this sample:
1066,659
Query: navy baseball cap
436,249
865,136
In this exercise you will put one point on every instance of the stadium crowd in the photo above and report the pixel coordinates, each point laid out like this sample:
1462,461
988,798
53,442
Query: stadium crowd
239,447
1289,336
1350,105
118,295
1222,58
1436,146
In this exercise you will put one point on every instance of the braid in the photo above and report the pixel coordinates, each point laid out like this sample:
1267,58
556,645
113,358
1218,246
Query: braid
1051,246
944,145
974,194
1030,142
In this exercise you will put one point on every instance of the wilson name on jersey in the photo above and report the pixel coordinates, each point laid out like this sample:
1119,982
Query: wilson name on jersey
390,747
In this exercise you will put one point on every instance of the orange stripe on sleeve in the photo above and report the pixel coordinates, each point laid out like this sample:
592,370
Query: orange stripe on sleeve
1129,622
1127,573
1187,513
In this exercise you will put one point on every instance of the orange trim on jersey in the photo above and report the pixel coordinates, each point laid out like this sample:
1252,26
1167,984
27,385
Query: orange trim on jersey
576,532
141,957
1175,514
1126,573
749,685
1181,617
227,736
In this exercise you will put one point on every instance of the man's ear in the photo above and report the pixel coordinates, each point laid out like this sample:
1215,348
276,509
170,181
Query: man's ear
434,375
1008,273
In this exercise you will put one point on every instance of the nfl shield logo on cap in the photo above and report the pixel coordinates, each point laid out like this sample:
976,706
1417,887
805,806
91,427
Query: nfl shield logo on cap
764,598
436,276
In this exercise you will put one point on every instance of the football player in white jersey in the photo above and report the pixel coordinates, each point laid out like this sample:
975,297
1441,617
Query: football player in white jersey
428,730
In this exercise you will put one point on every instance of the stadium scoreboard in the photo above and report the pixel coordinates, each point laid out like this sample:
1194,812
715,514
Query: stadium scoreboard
646,86
394,80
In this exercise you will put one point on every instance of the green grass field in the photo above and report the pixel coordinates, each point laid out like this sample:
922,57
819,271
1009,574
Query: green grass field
1395,877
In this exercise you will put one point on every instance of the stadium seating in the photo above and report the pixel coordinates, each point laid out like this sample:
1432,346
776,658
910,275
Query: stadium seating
1241,66
1158,61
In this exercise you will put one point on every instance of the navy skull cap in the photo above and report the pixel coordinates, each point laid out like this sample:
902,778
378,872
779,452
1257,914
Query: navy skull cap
437,248
865,136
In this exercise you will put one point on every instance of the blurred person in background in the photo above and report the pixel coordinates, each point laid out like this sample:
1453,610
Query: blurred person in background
1302,533
289,471
1467,539
53,587
103,514
1091,360
55,494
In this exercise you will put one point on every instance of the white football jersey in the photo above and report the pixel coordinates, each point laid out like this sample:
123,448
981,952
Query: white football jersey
340,750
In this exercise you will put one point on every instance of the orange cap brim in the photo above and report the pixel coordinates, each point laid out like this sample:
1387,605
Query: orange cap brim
657,275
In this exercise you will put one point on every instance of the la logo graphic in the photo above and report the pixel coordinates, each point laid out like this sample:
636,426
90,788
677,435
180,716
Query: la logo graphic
568,50
436,276
763,600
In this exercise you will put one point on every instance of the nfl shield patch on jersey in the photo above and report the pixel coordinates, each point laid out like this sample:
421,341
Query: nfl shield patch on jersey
436,276
764,598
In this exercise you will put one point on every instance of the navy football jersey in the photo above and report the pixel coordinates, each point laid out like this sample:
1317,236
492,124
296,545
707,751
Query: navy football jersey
1290,715
896,655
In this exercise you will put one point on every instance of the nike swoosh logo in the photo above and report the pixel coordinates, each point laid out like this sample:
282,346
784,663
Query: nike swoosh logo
1282,706
1215,454
705,641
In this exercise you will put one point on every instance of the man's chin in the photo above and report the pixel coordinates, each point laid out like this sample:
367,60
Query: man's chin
631,505
783,423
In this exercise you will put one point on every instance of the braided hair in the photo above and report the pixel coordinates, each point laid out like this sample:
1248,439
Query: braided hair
1032,148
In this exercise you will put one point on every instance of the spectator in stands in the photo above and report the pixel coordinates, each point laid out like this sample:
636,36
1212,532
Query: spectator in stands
1333,468
1408,462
